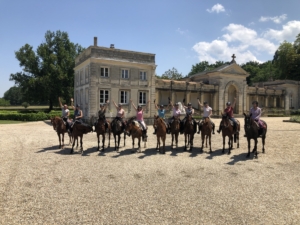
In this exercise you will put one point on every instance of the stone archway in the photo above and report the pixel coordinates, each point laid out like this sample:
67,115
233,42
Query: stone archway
232,93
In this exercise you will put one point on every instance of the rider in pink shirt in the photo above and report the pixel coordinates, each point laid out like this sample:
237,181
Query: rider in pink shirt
140,116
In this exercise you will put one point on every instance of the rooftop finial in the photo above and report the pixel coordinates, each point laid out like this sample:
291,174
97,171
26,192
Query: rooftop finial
233,57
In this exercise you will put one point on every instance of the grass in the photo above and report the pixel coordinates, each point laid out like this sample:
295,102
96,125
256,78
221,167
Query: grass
295,119
18,107
10,122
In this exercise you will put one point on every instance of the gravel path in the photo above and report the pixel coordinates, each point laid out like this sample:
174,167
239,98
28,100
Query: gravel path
41,184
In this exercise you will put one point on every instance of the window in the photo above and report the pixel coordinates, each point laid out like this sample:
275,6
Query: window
104,96
142,98
81,98
86,96
77,78
81,76
143,75
104,72
125,74
87,74
124,97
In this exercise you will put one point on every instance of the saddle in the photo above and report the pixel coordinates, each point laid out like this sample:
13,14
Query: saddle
139,125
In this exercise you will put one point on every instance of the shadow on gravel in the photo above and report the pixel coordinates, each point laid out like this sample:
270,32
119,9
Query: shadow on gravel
216,153
48,122
106,150
48,149
87,152
122,153
196,152
239,158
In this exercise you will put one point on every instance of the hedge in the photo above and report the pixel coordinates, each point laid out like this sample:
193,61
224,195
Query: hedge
30,116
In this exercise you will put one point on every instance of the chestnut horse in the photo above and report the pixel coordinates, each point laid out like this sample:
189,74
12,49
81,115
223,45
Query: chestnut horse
60,128
206,129
161,133
78,130
175,129
253,132
117,130
189,132
227,130
134,129
100,130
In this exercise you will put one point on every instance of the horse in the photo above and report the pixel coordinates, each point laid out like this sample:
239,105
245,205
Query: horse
117,130
60,128
175,129
189,132
206,129
134,128
253,132
161,133
227,130
78,130
100,130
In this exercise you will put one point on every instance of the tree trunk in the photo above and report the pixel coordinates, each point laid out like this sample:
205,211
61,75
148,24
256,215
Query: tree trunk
50,105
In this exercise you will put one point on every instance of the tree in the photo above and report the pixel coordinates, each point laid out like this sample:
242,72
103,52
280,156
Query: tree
13,95
4,102
48,72
172,74
25,105
205,66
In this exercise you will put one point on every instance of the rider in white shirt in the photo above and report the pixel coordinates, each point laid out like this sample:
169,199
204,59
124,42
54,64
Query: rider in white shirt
207,112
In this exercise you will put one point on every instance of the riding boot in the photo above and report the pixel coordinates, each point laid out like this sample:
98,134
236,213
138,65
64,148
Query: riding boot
213,128
181,127
145,133
154,131
195,127
200,127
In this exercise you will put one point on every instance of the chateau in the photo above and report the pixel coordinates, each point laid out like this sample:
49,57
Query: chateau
103,73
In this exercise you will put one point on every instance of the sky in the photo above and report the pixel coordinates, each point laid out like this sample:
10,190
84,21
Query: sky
180,32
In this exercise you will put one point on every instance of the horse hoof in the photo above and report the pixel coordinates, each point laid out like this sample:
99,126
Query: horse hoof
210,151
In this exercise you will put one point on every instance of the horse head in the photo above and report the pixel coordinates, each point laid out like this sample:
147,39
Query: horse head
225,120
248,120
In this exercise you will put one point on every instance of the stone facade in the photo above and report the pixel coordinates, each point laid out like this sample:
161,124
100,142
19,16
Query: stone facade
103,74
118,75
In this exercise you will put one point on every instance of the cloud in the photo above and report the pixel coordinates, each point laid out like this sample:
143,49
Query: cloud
288,33
182,32
275,19
216,8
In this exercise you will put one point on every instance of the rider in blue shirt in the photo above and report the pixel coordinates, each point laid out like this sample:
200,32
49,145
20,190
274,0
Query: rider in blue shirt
161,113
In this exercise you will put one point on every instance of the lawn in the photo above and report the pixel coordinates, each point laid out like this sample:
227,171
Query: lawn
10,122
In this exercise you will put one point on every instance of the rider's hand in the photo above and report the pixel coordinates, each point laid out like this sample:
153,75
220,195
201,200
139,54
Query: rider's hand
72,99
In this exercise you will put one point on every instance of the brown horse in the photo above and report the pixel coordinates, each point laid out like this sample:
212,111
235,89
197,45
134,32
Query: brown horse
206,129
117,130
134,129
175,129
161,133
189,132
60,128
79,130
100,130
253,132
227,130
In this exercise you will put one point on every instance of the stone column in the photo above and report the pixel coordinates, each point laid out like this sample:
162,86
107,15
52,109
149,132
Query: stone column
275,102
173,97
188,96
215,101
286,103
266,101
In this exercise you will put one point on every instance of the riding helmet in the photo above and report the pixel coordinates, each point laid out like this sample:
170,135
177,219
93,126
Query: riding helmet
162,106
139,106
77,105
205,103
120,105
176,104
255,102
228,103
189,104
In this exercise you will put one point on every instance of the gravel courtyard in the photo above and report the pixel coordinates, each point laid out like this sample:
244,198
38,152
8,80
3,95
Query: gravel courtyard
41,184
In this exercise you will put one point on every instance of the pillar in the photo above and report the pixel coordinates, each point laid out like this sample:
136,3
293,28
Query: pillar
275,101
286,103
188,97
266,101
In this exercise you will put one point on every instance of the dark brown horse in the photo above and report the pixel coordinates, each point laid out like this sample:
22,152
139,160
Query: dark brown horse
175,129
227,130
78,130
253,132
60,128
100,130
189,132
134,128
117,130
161,133
206,129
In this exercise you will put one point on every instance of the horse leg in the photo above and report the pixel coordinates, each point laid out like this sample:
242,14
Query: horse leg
263,143
108,139
103,141
124,139
158,143
72,150
184,142
191,141
98,137
157,138
81,148
176,139
59,140
119,139
172,141
230,145
163,141
202,139
115,142
238,140
210,151
63,140
206,140
139,144
223,144
255,147
132,151
248,155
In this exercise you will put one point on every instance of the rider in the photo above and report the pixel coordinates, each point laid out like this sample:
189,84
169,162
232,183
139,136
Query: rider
120,114
65,113
189,111
140,116
161,114
101,114
175,112
229,111
207,112
255,112
78,115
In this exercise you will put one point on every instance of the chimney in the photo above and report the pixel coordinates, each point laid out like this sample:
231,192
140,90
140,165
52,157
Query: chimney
95,41
112,46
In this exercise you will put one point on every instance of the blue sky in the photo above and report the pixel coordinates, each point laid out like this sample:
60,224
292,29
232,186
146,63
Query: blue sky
180,32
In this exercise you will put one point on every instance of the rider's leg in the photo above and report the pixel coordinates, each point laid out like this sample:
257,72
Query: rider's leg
213,126
195,125
220,127
200,127
234,124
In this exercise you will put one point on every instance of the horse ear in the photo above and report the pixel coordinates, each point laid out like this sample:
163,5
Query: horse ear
250,114
245,114
133,123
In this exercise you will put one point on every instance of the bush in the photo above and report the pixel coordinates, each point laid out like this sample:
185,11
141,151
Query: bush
25,105
4,102
295,118
39,116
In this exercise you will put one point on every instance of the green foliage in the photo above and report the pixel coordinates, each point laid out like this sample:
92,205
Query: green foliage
172,74
295,119
48,72
205,66
13,95
25,105
4,102
39,116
